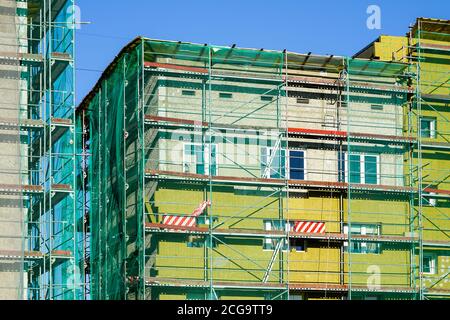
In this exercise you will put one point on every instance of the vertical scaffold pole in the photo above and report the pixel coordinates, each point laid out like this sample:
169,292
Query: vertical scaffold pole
349,223
419,159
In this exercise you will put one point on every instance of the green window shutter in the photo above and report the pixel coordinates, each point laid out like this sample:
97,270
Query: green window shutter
427,264
213,166
354,168
370,169
283,163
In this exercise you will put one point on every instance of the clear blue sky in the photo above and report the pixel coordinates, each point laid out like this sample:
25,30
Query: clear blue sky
319,26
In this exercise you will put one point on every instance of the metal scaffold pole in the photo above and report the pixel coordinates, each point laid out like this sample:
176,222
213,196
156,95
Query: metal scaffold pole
251,173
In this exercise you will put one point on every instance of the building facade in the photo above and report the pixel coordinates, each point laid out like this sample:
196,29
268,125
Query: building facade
40,243
223,172
426,47
207,172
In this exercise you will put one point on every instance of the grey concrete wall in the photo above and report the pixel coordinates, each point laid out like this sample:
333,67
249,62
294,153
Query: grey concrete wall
238,156
11,212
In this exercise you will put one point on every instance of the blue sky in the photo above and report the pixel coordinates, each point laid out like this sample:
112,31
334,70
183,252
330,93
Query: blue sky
320,26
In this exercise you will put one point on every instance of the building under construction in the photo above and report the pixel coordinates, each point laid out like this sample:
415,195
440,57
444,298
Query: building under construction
206,172
41,243
217,172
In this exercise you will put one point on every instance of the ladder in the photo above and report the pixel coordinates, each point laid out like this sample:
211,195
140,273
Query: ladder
272,260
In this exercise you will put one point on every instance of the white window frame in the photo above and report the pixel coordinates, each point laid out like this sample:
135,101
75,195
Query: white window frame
206,160
363,233
432,126
429,202
287,161
362,163
433,267
269,240
269,151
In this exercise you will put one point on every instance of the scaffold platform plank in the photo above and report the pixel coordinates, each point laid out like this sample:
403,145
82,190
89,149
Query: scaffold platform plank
303,132
321,287
327,82
22,124
213,74
321,185
15,58
13,189
337,134
334,237
18,255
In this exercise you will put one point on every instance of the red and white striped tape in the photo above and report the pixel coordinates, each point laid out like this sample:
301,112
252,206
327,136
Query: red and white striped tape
186,221
179,221
309,227
197,212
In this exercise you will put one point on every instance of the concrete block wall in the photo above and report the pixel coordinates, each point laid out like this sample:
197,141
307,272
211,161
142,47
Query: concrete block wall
11,164
239,150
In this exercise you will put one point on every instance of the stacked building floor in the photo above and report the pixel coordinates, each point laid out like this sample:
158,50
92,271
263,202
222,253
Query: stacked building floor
195,171
230,173
41,246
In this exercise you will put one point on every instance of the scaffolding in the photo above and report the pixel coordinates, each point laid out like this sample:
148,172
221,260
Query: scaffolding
429,56
41,239
215,172
379,106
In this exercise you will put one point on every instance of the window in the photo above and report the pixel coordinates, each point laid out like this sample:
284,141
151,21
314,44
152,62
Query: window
429,263
361,168
205,220
428,127
196,159
354,168
273,164
267,98
270,243
200,242
370,169
297,165
297,244
195,242
302,101
428,199
188,93
224,95
329,121
341,166
377,107
363,247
